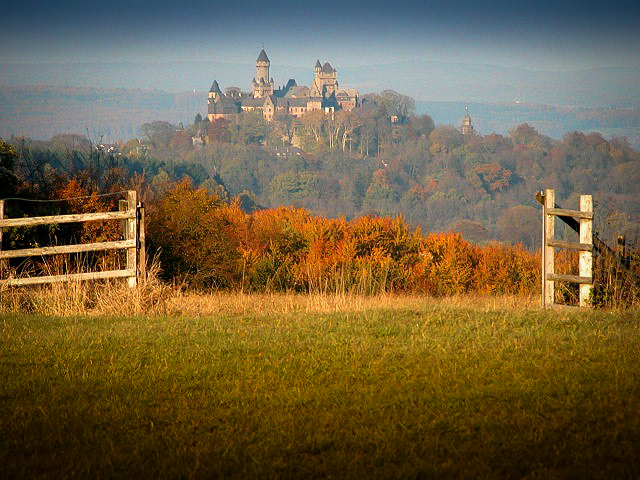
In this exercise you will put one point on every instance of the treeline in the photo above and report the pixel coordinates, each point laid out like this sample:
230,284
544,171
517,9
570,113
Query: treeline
381,159
206,240
362,162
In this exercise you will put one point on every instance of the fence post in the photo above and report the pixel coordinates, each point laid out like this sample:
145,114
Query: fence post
3,262
540,198
586,257
132,258
142,250
549,251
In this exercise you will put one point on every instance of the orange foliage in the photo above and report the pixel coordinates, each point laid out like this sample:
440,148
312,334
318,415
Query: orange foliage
209,242
507,269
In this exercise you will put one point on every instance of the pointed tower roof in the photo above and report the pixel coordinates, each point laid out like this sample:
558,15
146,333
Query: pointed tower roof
327,68
262,57
215,88
318,65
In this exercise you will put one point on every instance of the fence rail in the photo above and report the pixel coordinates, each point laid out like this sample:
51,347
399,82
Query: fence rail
76,217
132,215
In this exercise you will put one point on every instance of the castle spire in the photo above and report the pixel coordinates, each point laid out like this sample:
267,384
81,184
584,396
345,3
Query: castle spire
264,85
262,57
215,88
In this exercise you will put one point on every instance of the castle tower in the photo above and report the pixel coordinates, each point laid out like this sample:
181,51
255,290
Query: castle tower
467,127
214,91
219,104
326,80
263,85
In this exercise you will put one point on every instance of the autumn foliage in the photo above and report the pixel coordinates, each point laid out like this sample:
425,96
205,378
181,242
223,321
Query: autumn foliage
207,242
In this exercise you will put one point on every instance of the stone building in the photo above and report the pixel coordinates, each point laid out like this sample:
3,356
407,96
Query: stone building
324,94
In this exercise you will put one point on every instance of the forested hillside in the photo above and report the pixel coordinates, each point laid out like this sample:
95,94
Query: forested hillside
356,163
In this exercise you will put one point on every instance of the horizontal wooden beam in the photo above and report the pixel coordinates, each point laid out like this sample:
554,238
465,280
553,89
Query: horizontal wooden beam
569,278
68,278
569,213
87,247
583,247
76,217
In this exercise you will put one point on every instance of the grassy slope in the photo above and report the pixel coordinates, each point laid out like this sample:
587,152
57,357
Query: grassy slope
430,390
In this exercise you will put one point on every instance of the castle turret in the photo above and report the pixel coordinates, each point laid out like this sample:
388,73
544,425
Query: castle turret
325,81
263,85
214,92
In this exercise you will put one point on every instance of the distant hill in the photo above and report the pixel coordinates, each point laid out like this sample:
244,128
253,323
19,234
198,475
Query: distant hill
553,121
117,113
111,114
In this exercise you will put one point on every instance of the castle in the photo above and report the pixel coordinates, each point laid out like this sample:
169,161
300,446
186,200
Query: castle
324,95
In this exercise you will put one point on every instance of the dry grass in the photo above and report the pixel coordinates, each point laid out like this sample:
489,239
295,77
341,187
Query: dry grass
230,303
152,297
110,297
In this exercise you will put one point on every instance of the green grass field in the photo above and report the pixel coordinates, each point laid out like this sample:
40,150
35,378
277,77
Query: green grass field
413,390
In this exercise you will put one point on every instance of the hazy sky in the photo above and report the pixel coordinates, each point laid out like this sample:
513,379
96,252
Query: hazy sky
545,35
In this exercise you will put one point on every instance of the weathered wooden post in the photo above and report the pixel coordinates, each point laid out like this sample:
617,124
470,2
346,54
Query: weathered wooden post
3,262
586,256
142,248
549,251
132,257
129,227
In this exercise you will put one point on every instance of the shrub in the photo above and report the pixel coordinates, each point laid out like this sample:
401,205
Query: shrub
198,236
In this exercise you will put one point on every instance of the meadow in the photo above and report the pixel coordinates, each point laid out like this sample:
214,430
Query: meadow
230,385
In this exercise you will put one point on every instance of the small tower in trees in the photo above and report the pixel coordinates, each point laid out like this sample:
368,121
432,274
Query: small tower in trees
467,127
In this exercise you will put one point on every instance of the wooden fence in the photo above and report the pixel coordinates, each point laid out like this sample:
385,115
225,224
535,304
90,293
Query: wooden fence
584,226
130,213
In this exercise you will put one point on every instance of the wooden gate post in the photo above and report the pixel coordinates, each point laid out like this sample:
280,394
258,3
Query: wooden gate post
3,262
141,243
549,251
131,231
586,257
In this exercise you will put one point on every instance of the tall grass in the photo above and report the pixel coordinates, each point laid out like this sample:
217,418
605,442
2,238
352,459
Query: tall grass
106,297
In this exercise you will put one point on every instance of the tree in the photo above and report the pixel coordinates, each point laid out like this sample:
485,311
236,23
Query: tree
286,125
444,139
195,233
249,128
349,122
523,134
397,104
423,125
159,133
313,123
381,197
293,187
8,179
521,224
